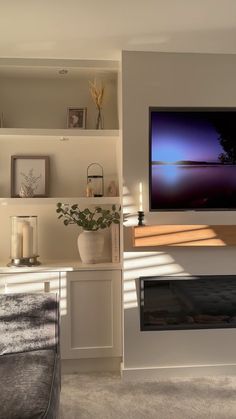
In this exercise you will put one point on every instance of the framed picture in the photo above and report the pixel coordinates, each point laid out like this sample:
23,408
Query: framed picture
76,118
29,176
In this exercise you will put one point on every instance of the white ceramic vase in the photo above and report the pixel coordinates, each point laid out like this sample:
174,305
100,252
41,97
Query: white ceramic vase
90,246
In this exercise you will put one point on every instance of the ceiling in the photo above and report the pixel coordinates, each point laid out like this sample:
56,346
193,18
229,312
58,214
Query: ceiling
101,29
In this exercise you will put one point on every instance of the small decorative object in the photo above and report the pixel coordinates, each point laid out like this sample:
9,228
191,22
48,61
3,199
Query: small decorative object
97,93
112,189
96,179
24,241
140,218
29,176
76,118
89,189
90,241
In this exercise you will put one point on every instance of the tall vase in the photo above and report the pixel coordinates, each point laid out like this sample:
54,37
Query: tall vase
90,246
99,122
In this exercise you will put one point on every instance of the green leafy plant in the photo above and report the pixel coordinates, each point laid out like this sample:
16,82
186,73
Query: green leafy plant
91,220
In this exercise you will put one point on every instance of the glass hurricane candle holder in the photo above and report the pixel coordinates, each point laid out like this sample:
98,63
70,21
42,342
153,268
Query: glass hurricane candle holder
24,241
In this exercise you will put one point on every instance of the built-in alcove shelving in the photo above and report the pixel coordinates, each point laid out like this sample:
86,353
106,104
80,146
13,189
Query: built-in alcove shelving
35,97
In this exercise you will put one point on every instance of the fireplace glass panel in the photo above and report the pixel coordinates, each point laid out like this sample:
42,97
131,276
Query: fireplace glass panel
178,303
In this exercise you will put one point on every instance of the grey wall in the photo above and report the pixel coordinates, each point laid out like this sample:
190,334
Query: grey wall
165,79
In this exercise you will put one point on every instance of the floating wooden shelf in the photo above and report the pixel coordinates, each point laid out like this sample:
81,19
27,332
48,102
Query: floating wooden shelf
184,235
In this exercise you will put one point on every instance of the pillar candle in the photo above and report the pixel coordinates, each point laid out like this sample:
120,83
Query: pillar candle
16,246
27,233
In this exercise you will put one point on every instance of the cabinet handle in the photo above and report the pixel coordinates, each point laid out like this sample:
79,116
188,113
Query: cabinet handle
46,286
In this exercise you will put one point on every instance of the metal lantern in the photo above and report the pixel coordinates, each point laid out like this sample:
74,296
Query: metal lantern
24,241
95,178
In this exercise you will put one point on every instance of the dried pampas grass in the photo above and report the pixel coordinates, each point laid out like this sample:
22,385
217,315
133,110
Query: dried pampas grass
97,93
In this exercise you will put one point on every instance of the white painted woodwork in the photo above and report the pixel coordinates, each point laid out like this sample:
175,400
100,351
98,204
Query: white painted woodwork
29,93
58,266
58,134
91,314
90,304
81,201
30,282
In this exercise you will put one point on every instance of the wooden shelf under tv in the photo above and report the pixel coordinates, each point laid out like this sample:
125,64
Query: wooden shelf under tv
183,235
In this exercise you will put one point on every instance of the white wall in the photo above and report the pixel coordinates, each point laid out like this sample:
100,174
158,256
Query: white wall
165,79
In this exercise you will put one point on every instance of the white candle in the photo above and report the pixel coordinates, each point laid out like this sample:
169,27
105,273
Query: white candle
27,233
140,196
16,246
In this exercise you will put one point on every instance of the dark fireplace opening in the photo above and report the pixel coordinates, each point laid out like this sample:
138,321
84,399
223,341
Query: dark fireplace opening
179,303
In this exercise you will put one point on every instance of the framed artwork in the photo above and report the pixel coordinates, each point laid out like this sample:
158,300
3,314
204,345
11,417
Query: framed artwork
76,118
29,176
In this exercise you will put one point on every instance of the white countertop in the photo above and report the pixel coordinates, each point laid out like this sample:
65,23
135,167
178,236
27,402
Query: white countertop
59,266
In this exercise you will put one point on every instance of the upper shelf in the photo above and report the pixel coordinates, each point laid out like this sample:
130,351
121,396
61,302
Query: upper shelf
47,67
62,134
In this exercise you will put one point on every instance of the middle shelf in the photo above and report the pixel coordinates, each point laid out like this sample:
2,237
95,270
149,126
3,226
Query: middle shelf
83,201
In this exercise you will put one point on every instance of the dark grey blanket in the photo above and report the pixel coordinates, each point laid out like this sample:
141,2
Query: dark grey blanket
27,322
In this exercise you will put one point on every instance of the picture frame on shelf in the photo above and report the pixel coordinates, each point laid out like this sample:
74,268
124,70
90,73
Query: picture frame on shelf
29,176
76,118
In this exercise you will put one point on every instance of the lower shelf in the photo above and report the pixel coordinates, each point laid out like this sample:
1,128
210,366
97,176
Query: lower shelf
184,235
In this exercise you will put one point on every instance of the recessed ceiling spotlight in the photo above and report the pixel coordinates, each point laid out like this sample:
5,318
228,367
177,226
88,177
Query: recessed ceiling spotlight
63,71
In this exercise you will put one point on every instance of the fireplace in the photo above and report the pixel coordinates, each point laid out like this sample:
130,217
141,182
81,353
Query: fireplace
180,303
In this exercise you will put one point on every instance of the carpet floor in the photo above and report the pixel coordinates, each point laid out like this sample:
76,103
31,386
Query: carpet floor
105,396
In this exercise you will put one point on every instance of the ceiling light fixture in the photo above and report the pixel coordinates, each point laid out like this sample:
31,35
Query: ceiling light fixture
63,71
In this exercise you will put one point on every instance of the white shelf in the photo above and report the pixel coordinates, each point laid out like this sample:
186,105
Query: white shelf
59,266
65,200
29,66
59,133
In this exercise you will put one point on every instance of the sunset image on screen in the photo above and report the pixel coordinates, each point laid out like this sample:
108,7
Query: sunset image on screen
193,159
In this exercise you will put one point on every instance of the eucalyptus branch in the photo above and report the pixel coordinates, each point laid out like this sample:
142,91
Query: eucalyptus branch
89,220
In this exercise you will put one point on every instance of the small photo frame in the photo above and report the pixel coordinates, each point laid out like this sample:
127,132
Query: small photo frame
29,176
76,118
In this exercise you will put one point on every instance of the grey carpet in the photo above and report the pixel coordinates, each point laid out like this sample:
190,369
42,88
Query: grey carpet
105,396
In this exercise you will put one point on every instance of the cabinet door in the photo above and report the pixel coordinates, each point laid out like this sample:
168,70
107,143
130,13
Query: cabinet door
29,282
91,314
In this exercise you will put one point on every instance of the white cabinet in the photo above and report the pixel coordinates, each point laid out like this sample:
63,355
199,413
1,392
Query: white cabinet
90,307
91,314
30,282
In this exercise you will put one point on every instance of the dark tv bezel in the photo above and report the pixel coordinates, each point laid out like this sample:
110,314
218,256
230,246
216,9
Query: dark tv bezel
181,109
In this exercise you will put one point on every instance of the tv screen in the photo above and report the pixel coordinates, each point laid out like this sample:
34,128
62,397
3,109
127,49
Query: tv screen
192,158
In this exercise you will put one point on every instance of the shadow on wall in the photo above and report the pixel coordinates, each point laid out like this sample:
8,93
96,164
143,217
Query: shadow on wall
190,258
185,261
138,264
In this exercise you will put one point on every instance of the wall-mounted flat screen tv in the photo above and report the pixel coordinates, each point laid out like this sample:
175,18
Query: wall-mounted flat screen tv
192,159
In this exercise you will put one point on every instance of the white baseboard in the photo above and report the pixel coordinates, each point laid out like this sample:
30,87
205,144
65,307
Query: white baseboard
153,373
71,366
